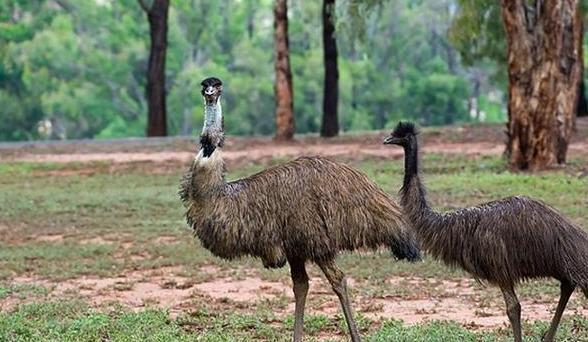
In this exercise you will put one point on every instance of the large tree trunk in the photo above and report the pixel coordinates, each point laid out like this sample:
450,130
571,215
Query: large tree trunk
157,116
283,85
544,67
330,125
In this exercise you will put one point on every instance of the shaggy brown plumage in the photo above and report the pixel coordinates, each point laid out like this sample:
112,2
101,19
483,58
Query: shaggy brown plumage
502,242
310,208
306,209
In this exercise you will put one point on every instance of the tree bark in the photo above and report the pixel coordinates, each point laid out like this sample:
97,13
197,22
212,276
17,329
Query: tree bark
283,85
544,67
157,116
330,125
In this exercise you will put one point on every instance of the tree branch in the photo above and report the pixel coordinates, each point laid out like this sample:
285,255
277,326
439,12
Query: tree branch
144,6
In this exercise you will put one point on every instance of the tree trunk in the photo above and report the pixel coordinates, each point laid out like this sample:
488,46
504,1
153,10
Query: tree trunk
155,89
544,70
330,125
283,85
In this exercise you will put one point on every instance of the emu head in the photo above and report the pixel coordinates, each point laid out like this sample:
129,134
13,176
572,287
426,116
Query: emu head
212,89
403,135
212,132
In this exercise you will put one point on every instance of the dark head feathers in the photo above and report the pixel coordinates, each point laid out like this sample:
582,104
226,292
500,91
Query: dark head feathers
405,128
211,82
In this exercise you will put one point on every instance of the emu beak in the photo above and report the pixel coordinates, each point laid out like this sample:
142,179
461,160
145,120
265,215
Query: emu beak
211,94
209,91
391,140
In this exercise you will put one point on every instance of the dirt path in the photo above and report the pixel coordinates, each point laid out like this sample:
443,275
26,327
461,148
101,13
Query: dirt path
260,152
463,140
266,152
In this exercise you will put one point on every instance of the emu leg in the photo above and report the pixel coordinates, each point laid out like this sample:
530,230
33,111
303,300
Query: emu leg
339,285
300,286
566,292
513,310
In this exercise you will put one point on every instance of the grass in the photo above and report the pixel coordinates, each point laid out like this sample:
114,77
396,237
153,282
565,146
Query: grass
62,226
76,321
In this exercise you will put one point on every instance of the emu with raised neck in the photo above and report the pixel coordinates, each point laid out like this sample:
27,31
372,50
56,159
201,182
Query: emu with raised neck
308,209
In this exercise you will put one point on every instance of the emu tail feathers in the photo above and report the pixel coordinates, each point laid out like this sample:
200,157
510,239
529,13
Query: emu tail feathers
574,255
405,247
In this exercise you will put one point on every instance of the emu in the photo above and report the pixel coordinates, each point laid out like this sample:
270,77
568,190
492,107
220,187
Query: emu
308,209
502,242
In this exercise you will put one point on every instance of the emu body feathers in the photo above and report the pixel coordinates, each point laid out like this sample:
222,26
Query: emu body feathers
505,241
309,208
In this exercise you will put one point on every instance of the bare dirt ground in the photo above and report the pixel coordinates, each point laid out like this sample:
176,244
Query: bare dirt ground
460,300
477,140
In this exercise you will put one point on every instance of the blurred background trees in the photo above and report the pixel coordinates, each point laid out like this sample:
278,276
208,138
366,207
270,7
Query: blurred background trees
77,69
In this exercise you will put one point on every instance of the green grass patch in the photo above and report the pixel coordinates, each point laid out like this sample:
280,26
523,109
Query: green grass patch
76,321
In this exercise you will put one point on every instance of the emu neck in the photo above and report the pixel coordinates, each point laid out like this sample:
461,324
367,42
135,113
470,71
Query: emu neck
411,163
208,169
213,118
212,133
413,193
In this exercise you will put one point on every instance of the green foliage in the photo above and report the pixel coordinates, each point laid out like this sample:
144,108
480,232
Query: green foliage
477,31
76,69
437,97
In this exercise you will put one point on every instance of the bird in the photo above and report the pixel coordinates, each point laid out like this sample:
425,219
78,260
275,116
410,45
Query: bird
502,242
305,210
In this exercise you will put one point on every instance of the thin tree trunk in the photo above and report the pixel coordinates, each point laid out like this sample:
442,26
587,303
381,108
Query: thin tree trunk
155,89
544,67
283,85
330,125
